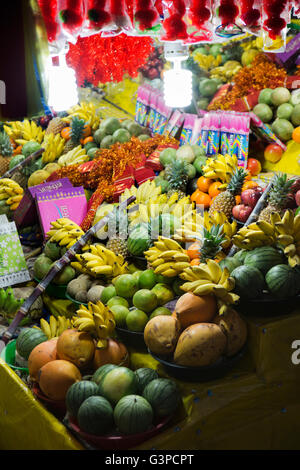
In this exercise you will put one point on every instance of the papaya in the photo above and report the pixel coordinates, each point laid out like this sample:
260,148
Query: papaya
235,329
40,355
200,345
192,309
41,266
77,347
56,377
161,334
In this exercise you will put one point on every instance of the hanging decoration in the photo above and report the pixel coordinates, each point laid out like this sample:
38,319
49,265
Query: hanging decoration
101,60
189,21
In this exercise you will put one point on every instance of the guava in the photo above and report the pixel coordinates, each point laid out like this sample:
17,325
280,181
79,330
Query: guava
280,95
283,129
265,96
264,112
208,87
110,125
99,135
167,156
121,135
284,111
295,117
30,147
106,142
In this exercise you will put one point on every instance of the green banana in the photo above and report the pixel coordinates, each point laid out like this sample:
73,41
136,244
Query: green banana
2,297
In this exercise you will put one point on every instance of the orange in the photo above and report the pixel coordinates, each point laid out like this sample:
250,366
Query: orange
238,200
66,133
204,184
213,190
193,250
87,130
296,134
17,150
254,166
195,262
203,199
249,185
194,195
88,139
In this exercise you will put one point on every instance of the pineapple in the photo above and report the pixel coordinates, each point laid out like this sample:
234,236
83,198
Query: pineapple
117,232
55,126
77,133
118,245
225,201
6,152
277,199
212,243
176,173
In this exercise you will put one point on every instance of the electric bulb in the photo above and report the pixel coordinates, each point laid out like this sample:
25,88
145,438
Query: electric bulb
62,87
178,88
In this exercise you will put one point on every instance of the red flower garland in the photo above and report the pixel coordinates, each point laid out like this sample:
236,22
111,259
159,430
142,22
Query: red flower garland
96,59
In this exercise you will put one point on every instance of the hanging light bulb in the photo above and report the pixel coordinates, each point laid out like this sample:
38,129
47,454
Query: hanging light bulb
63,92
178,91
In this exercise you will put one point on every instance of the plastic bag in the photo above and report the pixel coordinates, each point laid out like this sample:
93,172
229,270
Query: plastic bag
276,15
146,18
71,16
226,16
251,16
120,15
98,17
198,18
174,25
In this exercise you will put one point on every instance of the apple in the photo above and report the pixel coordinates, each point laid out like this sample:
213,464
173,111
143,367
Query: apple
241,212
290,201
295,186
297,197
250,197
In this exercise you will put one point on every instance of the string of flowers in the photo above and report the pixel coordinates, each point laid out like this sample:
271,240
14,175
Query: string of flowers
262,73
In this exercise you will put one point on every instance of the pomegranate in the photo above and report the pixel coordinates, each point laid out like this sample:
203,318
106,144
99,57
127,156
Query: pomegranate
250,197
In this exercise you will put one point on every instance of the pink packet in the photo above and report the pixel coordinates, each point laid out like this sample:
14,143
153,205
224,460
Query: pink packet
162,117
154,96
175,122
213,136
196,138
142,105
187,130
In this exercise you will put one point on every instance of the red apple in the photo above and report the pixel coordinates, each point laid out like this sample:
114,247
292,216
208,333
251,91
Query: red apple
250,197
295,186
297,198
290,201
241,212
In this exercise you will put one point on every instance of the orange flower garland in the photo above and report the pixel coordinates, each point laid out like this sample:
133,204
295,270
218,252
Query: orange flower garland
262,73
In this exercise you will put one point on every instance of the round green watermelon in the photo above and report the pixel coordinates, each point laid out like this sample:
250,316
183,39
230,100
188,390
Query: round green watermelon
133,415
230,263
118,383
144,376
78,393
163,395
240,256
28,339
283,281
101,372
249,282
96,416
263,258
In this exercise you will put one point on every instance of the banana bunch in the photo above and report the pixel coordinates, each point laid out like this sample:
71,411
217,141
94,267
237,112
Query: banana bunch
206,62
227,71
146,191
209,279
97,320
219,218
8,303
23,132
260,233
99,261
54,146
11,192
191,226
220,168
65,232
287,230
73,157
167,257
86,111
55,327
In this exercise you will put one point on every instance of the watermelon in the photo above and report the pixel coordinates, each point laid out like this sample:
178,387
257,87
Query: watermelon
133,415
240,256
28,339
283,281
96,416
118,383
230,263
264,258
101,372
138,241
163,395
77,393
144,376
249,282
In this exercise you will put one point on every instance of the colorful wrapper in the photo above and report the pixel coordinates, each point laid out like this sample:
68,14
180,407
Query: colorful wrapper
162,116
187,130
175,122
153,109
142,105
196,135
234,139
263,131
213,135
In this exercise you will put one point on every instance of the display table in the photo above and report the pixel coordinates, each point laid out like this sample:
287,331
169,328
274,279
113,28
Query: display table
255,406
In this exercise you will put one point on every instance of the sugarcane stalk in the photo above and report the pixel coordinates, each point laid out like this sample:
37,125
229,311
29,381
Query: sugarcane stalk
25,162
255,213
58,265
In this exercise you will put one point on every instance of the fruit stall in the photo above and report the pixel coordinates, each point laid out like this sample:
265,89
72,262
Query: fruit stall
150,228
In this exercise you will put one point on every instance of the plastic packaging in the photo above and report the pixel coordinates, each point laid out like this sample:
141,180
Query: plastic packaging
98,17
198,19
276,14
119,14
71,16
226,16
174,25
146,18
251,15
